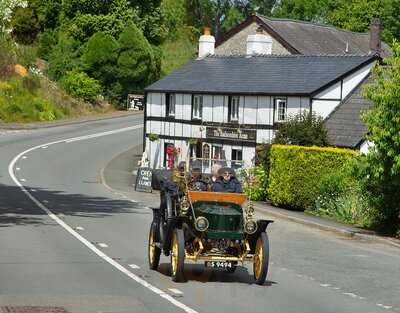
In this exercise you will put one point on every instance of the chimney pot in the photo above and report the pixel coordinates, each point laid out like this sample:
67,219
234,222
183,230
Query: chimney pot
375,36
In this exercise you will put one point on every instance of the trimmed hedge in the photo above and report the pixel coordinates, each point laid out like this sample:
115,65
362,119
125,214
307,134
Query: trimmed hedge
296,171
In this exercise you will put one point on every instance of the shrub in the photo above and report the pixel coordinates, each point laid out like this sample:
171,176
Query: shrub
304,129
80,85
256,183
296,171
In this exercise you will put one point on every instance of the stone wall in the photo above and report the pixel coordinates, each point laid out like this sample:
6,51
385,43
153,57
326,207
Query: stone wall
237,43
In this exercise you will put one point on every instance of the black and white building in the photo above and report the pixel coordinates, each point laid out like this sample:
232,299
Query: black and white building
223,106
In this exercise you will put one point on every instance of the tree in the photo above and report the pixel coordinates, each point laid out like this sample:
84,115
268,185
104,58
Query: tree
303,129
356,15
25,25
7,8
381,171
305,10
233,17
80,85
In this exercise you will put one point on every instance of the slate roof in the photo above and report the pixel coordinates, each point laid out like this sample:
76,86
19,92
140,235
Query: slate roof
269,74
344,125
312,39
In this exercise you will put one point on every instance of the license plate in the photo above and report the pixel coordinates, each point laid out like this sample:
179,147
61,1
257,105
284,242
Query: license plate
219,264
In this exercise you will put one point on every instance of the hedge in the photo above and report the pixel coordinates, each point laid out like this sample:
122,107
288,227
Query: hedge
295,172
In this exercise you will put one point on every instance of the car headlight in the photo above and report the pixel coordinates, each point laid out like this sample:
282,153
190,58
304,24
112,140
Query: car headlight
201,223
250,227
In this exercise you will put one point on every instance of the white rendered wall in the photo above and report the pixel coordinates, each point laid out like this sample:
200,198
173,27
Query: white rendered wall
332,92
265,110
351,82
249,110
218,111
187,107
323,107
207,108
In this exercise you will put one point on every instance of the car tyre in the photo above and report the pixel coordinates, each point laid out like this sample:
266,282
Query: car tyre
261,259
177,255
153,251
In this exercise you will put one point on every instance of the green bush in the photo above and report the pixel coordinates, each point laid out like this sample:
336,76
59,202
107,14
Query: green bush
80,85
256,183
296,172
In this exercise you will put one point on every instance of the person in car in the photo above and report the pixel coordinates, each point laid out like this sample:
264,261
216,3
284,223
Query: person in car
215,172
227,182
198,181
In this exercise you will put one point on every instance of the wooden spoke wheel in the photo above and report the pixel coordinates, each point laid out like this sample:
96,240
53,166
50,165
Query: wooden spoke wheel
177,255
261,259
154,252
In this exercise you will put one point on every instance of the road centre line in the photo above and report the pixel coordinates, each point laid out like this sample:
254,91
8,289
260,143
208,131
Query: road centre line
78,236
175,291
103,245
134,266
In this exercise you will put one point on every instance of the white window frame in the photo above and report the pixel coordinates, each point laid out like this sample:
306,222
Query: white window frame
234,104
171,104
280,109
197,107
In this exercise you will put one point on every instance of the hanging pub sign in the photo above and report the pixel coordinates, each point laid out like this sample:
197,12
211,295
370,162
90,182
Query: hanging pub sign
135,102
143,179
231,133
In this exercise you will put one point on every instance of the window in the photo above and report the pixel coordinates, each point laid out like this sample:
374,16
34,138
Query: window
170,104
237,158
233,108
197,106
280,110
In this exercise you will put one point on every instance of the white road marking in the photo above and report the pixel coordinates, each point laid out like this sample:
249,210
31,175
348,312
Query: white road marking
24,157
111,132
79,228
175,291
387,307
103,245
18,168
33,190
23,179
134,266
82,239
45,201
325,285
44,147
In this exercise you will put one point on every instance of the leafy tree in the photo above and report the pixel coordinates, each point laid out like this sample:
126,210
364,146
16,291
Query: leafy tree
305,10
381,171
138,63
47,12
25,25
233,17
356,15
100,58
303,129
173,12
47,40
7,8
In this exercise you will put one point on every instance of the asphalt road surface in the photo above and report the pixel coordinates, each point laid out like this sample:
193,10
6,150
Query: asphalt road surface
68,241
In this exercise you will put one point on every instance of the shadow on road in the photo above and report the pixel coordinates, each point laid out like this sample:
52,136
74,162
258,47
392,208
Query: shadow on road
199,273
17,209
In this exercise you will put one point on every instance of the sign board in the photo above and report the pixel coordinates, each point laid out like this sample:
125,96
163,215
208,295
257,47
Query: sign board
231,133
135,102
143,179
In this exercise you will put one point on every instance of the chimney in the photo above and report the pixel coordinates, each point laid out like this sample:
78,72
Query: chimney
259,43
375,36
206,43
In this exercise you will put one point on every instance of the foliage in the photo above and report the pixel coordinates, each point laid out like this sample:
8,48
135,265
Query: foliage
380,169
295,172
256,183
25,25
153,137
305,129
21,104
7,8
80,85
7,55
46,42
263,155
173,12
306,10
233,18
178,51
356,15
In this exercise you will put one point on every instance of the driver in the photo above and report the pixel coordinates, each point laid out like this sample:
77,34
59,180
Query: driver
227,182
198,181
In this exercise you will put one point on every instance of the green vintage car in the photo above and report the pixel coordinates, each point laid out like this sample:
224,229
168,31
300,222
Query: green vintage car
210,227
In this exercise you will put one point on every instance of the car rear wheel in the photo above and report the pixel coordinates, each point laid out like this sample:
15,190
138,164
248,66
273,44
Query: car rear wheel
154,252
261,259
177,255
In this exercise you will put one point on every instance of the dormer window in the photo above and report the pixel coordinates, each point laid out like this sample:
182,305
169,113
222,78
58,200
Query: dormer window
280,109
170,104
233,108
197,107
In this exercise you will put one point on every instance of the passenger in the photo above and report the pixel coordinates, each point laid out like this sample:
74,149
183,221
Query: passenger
198,181
227,182
214,171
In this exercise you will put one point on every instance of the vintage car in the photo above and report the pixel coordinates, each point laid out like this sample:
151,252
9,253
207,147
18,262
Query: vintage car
211,227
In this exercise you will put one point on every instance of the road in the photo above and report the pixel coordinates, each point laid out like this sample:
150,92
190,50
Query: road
67,240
